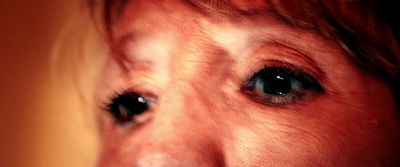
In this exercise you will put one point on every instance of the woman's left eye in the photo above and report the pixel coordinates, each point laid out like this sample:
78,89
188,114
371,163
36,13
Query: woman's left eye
281,85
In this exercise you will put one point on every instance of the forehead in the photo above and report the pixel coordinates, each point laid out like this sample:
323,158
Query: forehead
211,8
246,26
210,4
149,17
135,14
238,5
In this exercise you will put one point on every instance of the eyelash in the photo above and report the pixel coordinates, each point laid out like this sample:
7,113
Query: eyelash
299,86
280,85
121,105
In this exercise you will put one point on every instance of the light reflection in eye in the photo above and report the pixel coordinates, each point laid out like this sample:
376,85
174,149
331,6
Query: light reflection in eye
140,99
126,106
281,85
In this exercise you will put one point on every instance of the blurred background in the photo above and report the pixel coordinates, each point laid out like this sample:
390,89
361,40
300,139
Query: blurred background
47,116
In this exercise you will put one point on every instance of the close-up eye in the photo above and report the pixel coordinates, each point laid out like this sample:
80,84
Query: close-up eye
126,107
276,85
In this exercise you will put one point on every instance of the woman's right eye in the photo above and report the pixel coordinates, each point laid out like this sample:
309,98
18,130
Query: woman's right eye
127,106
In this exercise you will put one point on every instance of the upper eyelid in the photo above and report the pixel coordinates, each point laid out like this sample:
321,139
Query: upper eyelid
297,53
122,43
273,52
106,103
285,66
129,37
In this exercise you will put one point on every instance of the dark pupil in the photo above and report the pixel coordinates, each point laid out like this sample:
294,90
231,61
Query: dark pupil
277,84
128,105
274,81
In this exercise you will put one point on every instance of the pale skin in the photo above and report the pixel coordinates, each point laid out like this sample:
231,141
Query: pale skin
191,67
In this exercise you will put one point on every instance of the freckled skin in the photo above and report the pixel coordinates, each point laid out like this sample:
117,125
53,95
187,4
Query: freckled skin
195,66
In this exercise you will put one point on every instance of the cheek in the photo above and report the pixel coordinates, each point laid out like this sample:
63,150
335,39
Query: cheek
358,133
360,127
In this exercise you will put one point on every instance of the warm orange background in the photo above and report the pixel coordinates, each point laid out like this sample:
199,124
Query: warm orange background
42,122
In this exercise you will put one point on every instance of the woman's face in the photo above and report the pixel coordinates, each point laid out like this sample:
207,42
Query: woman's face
200,89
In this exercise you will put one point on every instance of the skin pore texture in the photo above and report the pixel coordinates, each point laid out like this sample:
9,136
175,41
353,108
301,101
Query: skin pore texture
191,68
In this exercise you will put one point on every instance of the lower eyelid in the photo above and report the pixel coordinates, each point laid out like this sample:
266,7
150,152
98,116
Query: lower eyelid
144,117
260,103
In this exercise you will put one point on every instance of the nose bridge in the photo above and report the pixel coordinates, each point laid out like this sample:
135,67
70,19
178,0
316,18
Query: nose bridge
180,131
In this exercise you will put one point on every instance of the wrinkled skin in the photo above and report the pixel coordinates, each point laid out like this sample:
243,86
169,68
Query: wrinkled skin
192,67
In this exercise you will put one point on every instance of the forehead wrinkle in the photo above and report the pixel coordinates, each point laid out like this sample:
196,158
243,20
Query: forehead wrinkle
232,7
